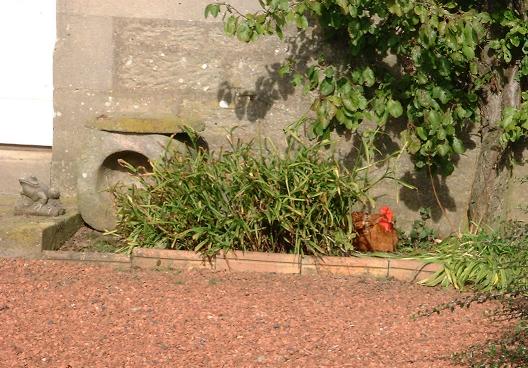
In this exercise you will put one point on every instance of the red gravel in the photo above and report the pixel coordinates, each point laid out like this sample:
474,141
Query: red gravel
73,315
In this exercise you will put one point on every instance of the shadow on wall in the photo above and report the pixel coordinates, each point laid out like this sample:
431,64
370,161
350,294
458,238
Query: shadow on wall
388,142
254,104
303,48
423,195
424,188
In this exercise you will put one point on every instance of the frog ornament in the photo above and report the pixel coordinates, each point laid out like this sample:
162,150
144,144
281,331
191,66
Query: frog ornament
37,199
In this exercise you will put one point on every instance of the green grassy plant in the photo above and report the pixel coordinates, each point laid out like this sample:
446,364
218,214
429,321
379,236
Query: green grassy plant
421,236
495,265
298,201
486,261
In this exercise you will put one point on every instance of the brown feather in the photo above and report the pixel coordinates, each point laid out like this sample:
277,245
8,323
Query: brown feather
371,236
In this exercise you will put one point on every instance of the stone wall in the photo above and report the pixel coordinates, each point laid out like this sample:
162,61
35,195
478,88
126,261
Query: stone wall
163,57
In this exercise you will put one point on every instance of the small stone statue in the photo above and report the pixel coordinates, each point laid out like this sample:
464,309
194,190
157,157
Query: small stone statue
37,199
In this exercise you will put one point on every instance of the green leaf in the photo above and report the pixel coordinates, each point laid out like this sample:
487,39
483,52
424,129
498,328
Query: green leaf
515,41
326,112
313,77
344,87
368,77
316,7
446,168
343,4
395,8
508,115
441,134
468,52
327,87
458,146
230,25
506,54
297,79
329,72
284,5
420,131
412,142
441,94
349,104
470,36
394,108
443,149
434,118
461,113
213,9
341,117
244,32
301,22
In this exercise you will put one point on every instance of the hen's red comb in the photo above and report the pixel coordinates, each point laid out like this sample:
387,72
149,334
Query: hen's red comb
387,213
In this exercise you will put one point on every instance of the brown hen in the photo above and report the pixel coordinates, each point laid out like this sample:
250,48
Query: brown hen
375,232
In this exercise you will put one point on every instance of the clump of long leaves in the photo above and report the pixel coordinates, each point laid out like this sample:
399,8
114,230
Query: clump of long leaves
298,201
494,263
485,261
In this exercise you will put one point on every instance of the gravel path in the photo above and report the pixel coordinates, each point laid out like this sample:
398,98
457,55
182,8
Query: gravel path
73,315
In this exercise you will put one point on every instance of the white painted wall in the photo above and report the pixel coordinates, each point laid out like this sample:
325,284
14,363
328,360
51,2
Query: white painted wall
27,40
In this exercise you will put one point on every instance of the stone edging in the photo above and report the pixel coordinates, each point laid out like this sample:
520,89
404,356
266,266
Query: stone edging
237,261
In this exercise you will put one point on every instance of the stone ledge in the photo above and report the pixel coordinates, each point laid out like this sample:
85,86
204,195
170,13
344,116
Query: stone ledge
238,261
350,266
85,256
169,259
408,270
411,270
28,236
58,232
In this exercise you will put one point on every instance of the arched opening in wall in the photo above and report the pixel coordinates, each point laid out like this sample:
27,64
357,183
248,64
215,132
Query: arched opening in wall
113,170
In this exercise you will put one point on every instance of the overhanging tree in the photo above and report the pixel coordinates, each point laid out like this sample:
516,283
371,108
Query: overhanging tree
461,63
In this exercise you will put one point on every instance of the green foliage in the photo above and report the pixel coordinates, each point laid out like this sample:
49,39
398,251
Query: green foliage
421,235
514,122
487,261
439,45
296,202
496,265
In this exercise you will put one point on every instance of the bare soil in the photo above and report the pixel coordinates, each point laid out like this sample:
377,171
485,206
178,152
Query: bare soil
90,240
75,315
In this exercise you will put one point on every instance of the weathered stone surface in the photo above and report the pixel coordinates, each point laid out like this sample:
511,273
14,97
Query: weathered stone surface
22,236
162,9
77,108
239,87
99,170
160,57
117,260
159,125
83,53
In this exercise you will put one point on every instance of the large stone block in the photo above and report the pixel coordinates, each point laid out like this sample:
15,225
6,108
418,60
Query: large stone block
161,57
100,169
83,53
162,9
179,56
77,108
